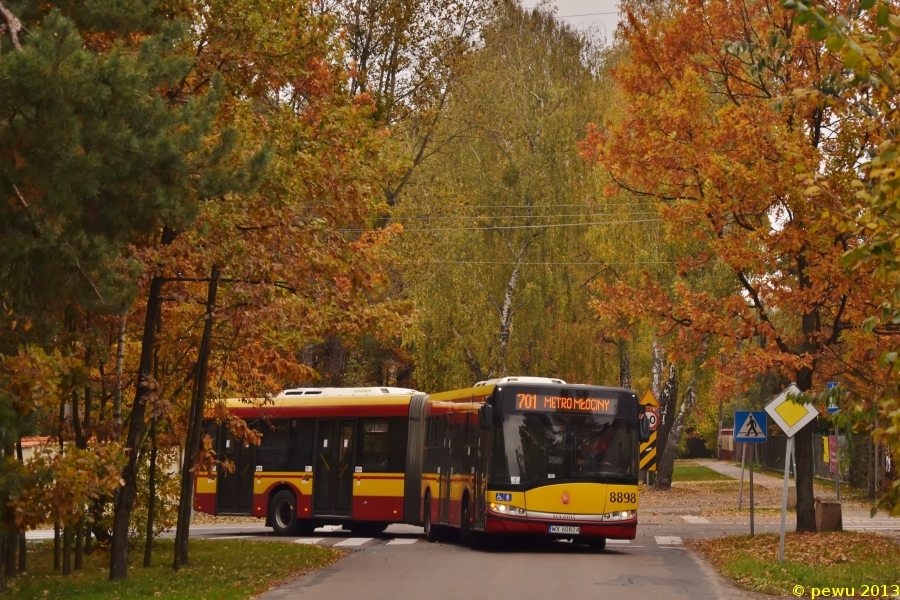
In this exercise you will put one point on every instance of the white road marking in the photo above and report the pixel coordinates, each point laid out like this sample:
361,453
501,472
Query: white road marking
308,540
331,527
614,542
695,520
402,541
354,542
668,540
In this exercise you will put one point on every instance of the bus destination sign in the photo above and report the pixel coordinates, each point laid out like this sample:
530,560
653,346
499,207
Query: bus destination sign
548,403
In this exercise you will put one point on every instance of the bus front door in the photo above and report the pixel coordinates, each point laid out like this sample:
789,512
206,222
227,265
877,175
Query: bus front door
446,481
235,490
333,475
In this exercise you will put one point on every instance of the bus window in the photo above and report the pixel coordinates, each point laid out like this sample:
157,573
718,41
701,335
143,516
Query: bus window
374,445
397,450
300,455
272,454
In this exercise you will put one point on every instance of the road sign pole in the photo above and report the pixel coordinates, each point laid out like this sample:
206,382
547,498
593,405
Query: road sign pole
752,458
837,464
741,492
788,454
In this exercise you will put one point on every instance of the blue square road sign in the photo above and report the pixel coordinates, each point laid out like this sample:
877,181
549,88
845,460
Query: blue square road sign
750,426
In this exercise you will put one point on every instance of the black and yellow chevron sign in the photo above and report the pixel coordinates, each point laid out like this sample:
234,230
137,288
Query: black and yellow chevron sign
648,449
648,454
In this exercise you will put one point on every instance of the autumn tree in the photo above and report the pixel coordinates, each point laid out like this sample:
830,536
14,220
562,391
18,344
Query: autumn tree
859,91
295,245
704,136
497,262
94,154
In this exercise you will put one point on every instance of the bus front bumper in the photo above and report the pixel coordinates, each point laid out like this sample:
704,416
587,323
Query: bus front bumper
617,530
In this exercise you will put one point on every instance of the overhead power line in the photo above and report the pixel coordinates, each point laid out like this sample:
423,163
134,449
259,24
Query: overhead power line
615,12
489,228
475,217
549,263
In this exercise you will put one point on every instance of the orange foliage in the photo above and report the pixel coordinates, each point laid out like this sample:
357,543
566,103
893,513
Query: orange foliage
705,136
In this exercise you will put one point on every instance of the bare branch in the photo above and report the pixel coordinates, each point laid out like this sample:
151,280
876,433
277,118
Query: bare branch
13,27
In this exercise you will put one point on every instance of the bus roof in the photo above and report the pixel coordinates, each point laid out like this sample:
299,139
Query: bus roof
337,402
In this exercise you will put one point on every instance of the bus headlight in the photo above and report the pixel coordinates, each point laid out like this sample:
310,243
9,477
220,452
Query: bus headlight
620,515
507,509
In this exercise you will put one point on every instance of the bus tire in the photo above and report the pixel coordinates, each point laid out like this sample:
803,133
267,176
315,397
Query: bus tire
431,532
283,508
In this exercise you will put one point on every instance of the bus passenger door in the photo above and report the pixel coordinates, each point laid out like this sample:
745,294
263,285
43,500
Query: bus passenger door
446,472
481,474
333,474
344,486
235,490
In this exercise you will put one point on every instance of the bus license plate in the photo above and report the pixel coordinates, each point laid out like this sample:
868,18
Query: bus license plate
565,529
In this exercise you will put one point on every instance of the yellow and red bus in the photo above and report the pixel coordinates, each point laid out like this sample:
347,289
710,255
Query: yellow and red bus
517,455
328,456
527,456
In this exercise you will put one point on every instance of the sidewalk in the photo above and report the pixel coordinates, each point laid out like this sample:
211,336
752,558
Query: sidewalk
729,470
854,512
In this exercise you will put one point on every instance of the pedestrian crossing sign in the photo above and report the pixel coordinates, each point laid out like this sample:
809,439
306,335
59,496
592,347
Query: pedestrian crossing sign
750,426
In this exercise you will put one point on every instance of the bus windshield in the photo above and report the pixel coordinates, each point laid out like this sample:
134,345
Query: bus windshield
532,448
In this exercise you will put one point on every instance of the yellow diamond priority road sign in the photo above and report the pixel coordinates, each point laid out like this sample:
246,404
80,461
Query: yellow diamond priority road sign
790,415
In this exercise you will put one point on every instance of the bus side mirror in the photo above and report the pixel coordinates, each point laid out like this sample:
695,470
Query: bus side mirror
486,417
643,426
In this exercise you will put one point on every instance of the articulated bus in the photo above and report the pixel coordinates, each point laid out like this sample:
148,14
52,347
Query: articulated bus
517,455
524,455
328,456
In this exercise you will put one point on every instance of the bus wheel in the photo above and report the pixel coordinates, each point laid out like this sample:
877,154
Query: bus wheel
283,509
431,533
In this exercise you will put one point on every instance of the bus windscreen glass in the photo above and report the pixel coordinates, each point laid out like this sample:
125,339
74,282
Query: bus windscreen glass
564,435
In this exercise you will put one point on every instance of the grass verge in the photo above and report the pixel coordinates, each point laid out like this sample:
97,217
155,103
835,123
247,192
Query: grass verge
696,473
847,559
219,570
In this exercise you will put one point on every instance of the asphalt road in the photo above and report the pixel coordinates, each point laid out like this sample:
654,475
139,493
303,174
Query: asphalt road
400,565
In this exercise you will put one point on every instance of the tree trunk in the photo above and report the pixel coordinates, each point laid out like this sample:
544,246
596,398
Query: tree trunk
335,360
870,462
67,550
666,464
22,543
806,507
151,496
668,400
76,421
79,544
118,560
84,530
195,428
506,313
57,546
120,361
12,544
624,365
57,541
657,367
